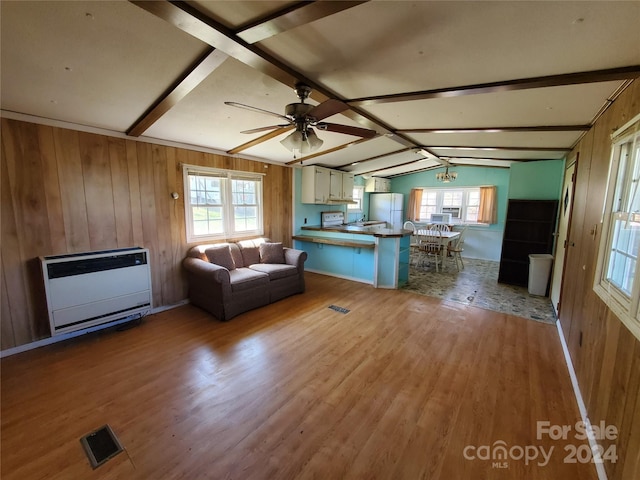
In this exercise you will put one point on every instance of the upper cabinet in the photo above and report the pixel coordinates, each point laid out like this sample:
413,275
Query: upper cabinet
323,185
347,186
316,184
375,184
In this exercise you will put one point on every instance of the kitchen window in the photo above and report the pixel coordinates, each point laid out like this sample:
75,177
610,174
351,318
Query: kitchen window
221,204
358,194
617,280
462,203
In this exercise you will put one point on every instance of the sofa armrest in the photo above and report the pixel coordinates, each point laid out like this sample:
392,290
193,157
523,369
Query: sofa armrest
206,272
295,257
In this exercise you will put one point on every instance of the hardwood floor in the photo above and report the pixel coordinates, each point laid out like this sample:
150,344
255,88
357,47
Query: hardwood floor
396,388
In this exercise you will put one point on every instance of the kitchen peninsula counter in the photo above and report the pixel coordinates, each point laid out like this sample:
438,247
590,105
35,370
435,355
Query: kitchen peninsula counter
367,230
370,253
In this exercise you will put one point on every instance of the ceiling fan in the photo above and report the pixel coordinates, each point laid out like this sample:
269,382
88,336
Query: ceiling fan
303,116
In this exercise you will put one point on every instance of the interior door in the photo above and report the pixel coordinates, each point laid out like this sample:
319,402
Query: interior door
566,202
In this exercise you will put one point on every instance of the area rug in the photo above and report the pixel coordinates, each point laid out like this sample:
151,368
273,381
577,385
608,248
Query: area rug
477,285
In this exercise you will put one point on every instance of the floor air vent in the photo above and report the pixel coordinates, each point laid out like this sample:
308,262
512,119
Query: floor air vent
339,309
101,445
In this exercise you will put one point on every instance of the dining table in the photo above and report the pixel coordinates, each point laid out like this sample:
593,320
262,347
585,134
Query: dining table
446,237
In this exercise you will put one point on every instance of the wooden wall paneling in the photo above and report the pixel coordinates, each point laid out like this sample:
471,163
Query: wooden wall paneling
616,409
121,192
98,188
580,238
14,291
74,207
51,185
161,201
572,262
166,265
134,192
176,214
25,173
631,468
597,360
629,417
149,218
7,339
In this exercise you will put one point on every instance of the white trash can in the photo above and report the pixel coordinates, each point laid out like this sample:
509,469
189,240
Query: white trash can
539,270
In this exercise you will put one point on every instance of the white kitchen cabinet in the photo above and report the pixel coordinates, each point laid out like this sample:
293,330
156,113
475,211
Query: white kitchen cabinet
347,186
322,185
376,184
316,184
335,185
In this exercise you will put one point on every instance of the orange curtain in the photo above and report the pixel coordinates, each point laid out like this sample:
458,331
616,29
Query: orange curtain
488,205
415,199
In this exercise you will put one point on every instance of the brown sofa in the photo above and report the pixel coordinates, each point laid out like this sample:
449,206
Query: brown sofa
230,278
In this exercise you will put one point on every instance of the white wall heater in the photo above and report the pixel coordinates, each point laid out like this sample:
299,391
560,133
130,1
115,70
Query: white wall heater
87,289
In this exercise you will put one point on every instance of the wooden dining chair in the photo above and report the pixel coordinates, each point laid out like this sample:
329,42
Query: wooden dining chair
430,246
455,250
414,253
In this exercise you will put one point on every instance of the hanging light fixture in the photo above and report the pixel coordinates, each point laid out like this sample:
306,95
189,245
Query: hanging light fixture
303,140
446,177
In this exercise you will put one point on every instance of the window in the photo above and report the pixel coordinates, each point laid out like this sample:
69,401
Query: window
429,203
617,276
358,194
462,203
221,204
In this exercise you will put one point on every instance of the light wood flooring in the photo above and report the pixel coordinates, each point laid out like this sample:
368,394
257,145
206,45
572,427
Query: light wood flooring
394,389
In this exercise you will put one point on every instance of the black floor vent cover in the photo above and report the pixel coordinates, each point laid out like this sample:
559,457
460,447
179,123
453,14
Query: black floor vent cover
339,309
101,445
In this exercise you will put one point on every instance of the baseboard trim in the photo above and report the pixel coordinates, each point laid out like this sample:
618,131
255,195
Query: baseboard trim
66,336
602,474
345,277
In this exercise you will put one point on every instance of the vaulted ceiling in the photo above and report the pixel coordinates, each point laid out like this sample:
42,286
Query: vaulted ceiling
465,83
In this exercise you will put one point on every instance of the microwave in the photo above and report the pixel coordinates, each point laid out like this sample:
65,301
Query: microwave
441,218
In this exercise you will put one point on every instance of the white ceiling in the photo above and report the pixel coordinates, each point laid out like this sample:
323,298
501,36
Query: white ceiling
105,64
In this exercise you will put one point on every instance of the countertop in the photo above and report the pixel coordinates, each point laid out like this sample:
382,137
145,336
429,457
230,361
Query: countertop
379,232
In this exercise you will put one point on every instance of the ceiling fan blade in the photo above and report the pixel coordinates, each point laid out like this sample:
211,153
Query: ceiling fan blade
264,129
256,109
356,131
327,108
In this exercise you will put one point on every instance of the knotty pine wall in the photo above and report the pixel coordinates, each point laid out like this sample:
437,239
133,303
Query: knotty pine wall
605,355
65,191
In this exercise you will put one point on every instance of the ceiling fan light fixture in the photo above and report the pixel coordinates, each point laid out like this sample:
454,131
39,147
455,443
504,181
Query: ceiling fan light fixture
303,141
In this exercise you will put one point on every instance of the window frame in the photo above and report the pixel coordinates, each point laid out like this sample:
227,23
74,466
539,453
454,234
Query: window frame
625,307
440,201
227,205
358,198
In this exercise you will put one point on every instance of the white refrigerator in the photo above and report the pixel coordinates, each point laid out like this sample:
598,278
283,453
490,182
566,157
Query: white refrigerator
387,207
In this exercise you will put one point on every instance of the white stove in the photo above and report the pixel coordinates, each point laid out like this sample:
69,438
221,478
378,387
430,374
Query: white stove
332,219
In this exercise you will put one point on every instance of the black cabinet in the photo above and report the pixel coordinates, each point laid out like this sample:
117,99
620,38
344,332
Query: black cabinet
529,229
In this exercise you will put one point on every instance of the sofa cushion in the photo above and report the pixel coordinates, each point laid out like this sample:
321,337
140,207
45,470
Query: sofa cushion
221,255
274,270
250,254
271,252
246,278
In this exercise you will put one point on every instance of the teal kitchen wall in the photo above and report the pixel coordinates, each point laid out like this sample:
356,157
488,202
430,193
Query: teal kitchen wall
536,180
482,241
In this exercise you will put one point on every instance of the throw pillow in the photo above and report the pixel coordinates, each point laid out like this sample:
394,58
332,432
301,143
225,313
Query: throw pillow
250,254
221,255
271,253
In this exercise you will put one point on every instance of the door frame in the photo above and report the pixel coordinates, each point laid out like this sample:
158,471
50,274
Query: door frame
557,276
